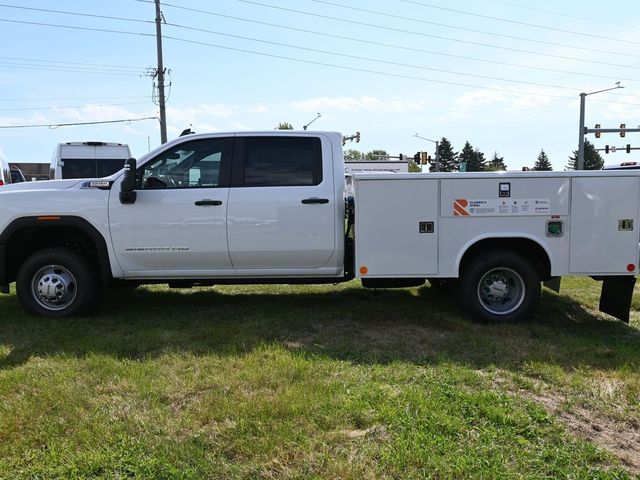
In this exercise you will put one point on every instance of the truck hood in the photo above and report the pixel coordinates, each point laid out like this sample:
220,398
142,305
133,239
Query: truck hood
42,185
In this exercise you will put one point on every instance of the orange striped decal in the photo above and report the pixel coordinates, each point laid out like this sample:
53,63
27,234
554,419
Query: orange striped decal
460,207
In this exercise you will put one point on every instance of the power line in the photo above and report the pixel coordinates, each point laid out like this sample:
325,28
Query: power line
466,29
294,59
564,14
43,60
77,14
394,46
386,74
56,125
516,22
440,37
340,20
67,69
60,99
71,106
71,27
368,59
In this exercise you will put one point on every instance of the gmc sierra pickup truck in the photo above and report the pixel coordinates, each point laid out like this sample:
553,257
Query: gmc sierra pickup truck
270,207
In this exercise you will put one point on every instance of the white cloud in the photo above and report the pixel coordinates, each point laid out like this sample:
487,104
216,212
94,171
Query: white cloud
523,99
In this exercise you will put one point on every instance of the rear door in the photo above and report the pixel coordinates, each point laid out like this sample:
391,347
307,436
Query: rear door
281,213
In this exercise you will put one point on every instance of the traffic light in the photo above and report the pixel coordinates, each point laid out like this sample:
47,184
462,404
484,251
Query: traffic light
357,137
423,158
401,157
622,126
628,148
416,158
597,133
606,149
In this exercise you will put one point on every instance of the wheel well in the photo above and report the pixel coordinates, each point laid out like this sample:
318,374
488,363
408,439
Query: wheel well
529,249
28,238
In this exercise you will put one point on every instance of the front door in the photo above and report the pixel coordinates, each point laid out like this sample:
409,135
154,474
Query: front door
177,225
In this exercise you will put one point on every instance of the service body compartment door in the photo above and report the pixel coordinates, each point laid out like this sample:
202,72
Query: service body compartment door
396,227
604,224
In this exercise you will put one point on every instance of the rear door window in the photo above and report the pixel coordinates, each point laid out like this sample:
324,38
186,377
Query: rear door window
279,161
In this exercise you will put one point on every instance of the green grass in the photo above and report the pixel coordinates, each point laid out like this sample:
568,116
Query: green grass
315,382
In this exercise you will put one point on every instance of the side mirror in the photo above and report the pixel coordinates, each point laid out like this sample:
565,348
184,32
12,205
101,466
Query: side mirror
128,186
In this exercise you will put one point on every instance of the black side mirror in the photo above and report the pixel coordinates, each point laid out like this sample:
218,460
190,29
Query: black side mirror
128,185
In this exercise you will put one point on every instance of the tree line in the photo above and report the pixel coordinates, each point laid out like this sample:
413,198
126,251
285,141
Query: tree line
473,159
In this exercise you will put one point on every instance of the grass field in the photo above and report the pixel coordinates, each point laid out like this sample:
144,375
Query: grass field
318,382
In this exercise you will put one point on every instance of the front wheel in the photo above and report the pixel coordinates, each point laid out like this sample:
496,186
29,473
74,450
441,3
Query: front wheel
56,282
500,286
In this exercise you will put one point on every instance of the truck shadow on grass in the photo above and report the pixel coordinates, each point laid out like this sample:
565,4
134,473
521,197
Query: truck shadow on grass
421,326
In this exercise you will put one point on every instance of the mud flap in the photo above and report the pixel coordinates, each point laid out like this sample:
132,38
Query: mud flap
615,298
553,284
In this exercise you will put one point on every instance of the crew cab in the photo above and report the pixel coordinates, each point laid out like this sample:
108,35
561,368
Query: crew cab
270,207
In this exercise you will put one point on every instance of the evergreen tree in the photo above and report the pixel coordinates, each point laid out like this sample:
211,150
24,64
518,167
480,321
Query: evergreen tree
473,158
496,164
478,162
592,159
448,159
542,163
284,126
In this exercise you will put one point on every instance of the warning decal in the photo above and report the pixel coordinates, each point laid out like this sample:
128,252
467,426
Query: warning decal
507,206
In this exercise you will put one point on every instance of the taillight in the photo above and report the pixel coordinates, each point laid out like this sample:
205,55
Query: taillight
1,183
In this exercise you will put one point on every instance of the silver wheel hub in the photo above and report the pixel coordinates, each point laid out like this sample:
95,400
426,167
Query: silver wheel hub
54,287
501,291
497,288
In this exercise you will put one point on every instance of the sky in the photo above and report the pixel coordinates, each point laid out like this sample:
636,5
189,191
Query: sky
505,75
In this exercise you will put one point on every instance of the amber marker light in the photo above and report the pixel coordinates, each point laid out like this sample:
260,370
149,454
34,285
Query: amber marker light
364,270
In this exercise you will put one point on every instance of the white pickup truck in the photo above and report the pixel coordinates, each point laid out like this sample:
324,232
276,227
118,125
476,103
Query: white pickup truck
269,207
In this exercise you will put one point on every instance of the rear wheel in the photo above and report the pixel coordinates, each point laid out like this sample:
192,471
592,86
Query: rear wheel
500,286
56,282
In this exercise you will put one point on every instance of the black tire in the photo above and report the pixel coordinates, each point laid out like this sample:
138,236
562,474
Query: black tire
56,282
499,286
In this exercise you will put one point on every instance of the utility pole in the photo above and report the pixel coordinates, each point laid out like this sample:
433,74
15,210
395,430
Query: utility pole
583,131
160,74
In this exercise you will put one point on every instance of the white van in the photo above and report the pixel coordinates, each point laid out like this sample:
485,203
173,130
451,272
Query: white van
88,159
622,166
